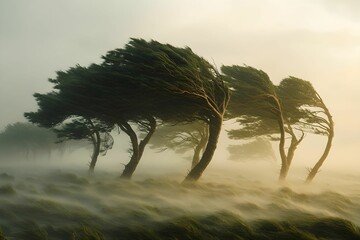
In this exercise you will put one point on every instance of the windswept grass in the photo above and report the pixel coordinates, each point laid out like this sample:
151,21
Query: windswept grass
67,206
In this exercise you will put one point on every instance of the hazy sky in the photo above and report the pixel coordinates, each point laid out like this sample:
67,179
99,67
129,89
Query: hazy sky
317,40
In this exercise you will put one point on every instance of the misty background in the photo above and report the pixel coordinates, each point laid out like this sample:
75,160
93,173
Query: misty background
316,40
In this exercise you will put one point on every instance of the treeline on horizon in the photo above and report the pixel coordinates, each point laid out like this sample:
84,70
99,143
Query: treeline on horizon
148,86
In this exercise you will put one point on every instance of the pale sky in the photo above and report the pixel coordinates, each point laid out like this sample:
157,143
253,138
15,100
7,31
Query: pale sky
317,40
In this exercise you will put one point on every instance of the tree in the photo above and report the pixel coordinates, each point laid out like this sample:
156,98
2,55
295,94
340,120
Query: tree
95,132
181,138
114,101
259,148
68,112
148,126
314,115
255,103
178,85
28,140
140,83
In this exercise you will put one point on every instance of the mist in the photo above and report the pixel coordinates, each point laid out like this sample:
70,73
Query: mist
47,192
58,200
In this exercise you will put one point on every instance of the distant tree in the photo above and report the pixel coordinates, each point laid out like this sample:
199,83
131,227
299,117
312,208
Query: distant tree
256,105
178,86
313,115
182,138
260,148
28,140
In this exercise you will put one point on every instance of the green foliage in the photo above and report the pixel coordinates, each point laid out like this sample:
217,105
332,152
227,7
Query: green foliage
136,84
79,129
252,94
251,126
177,84
180,138
303,106
27,140
257,149
254,102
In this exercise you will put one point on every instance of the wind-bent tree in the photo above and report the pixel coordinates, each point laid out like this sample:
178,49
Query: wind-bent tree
70,114
181,138
142,82
260,148
95,132
314,117
179,87
114,99
148,127
255,102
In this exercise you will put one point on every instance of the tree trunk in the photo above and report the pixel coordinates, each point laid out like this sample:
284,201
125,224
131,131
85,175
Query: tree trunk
138,148
196,157
152,127
131,166
215,125
95,138
292,148
199,148
322,159
284,167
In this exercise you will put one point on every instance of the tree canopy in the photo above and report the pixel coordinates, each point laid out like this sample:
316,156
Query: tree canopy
141,82
147,83
256,105
260,148
311,114
181,138
263,109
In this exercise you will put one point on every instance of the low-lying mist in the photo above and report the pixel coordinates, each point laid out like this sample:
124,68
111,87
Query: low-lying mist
54,200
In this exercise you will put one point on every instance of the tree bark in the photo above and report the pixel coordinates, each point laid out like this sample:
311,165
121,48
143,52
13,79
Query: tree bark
131,166
292,148
95,138
215,125
284,167
144,142
199,148
138,148
196,156
322,159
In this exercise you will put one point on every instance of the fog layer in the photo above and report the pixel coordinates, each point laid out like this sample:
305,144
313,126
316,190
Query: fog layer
60,202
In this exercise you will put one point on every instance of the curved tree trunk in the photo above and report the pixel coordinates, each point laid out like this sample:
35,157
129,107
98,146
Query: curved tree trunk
200,148
292,148
214,132
322,159
152,127
284,167
95,138
131,166
138,148
196,156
